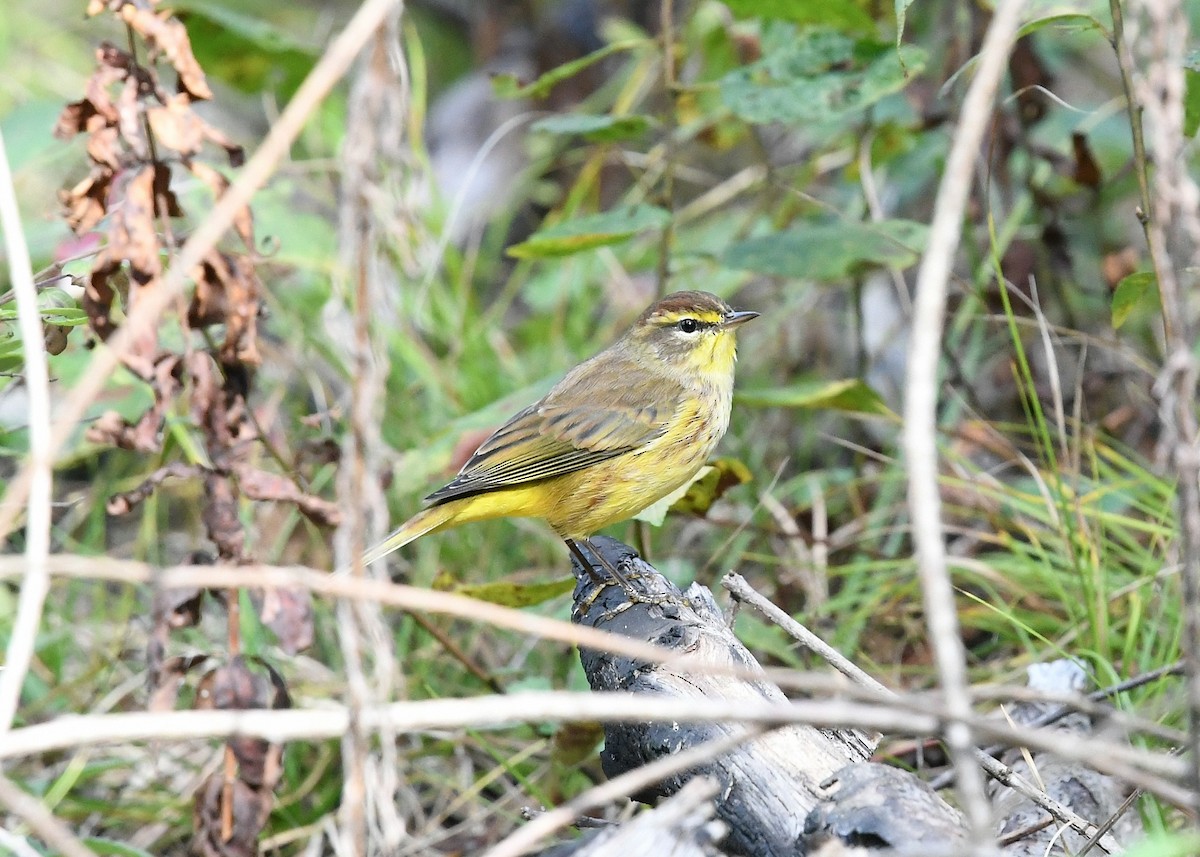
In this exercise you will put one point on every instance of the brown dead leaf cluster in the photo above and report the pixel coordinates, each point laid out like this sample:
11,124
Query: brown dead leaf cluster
230,811
232,805
142,137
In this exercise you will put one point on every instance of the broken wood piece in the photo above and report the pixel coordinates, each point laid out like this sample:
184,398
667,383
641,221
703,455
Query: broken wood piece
1028,830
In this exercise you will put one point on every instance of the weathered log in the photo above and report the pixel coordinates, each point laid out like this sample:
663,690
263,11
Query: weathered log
881,807
768,784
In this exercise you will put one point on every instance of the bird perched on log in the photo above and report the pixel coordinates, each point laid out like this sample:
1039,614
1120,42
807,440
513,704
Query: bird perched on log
618,433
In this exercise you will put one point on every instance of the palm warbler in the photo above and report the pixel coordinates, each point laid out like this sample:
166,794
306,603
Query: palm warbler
618,433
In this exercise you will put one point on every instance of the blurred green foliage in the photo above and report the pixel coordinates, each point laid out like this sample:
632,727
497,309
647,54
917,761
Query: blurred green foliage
791,169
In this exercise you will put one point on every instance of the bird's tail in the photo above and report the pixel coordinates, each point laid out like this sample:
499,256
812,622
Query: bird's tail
426,521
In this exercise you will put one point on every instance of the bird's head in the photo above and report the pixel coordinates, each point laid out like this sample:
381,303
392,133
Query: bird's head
692,331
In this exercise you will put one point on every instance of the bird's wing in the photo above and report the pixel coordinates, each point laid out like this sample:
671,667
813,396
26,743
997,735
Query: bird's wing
592,415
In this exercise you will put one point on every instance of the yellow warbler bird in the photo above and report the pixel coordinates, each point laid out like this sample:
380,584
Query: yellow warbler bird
618,433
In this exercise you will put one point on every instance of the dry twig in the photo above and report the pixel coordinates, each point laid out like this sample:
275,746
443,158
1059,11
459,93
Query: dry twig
1173,233
36,581
377,111
920,415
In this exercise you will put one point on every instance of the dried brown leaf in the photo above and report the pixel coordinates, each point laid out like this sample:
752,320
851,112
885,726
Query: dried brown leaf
124,66
234,151
87,202
228,292
104,147
179,608
167,679
98,294
253,683
77,117
250,809
221,518
1087,171
165,200
233,686
128,436
208,300
261,485
207,405
129,120
289,614
176,126
168,35
1030,78
96,109
132,236
107,430
1119,264
243,303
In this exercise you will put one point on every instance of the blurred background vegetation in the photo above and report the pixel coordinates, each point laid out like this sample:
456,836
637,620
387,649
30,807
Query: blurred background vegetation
785,158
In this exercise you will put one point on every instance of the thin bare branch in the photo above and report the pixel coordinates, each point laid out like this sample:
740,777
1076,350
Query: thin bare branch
1156,772
377,111
920,414
39,464
741,590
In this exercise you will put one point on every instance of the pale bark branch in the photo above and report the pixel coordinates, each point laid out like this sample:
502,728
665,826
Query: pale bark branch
920,415
39,465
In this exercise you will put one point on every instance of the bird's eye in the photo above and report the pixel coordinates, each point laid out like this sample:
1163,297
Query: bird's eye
689,325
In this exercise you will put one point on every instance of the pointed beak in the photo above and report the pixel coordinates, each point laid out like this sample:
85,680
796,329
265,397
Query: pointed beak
736,318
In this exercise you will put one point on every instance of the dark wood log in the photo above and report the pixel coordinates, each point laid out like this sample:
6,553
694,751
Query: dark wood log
881,807
768,784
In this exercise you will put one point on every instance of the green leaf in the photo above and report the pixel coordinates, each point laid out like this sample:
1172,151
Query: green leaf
1166,845
719,476
59,316
840,14
821,76
597,129
590,231
507,85
901,15
702,490
1064,20
509,594
830,251
1129,293
1191,101
760,636
245,50
656,512
850,394
112,848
